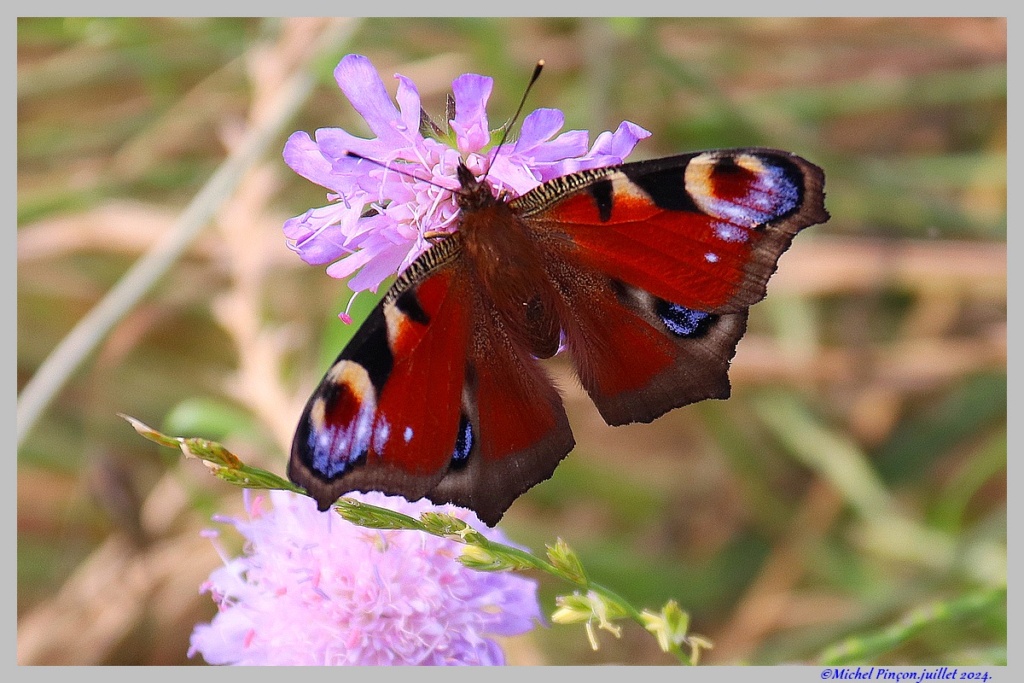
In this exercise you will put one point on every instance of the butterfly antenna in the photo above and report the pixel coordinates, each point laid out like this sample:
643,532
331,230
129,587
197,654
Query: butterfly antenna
396,169
508,126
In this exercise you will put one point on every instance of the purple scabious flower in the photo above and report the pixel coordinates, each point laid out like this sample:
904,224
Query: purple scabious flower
408,180
314,589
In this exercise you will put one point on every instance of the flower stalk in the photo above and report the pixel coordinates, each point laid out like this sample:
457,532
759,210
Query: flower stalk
591,603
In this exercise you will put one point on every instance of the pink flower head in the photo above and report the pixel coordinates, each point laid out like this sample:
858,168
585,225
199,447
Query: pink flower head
375,222
314,589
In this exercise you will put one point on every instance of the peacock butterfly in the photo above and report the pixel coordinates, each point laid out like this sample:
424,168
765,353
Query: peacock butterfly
643,272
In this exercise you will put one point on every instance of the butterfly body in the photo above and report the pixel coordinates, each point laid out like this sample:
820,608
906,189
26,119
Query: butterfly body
643,272
504,261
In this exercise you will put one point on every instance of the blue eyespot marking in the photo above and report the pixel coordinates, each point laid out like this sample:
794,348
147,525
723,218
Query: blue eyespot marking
334,450
339,422
744,190
682,321
463,442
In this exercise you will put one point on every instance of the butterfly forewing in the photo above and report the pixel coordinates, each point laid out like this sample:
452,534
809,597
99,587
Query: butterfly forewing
704,231
385,416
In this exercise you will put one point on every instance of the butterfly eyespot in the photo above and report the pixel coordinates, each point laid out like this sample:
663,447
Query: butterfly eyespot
743,190
342,420
463,443
682,321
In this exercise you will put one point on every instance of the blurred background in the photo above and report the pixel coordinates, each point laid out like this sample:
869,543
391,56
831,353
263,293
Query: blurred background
848,503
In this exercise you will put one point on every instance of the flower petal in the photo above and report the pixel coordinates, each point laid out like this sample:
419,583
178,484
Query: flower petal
408,98
335,144
312,589
538,127
321,235
572,143
619,144
305,158
365,90
470,124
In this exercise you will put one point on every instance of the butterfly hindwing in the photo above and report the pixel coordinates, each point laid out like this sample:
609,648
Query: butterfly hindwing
639,356
513,417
